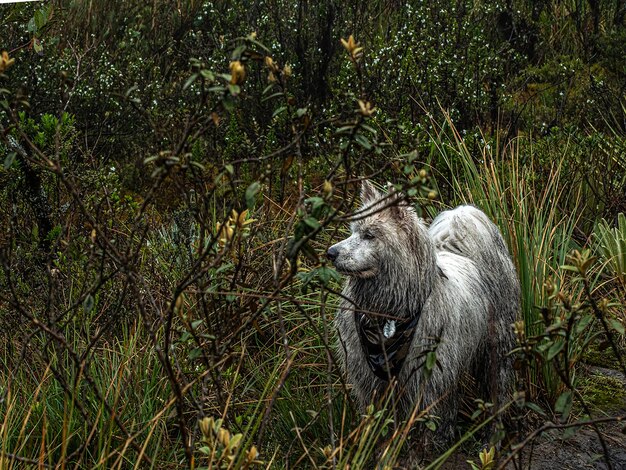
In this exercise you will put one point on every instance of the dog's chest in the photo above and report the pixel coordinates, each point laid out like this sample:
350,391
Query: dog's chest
385,342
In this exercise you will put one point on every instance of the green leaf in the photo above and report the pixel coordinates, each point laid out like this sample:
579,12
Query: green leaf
536,408
198,165
411,156
323,273
555,349
431,359
130,90
344,130
563,404
251,193
251,40
37,47
311,222
235,440
8,161
190,80
45,13
279,110
369,129
560,402
229,103
583,323
257,44
40,19
617,326
223,268
273,95
309,252
431,425
316,202
88,303
236,55
195,354
207,75
363,141
569,432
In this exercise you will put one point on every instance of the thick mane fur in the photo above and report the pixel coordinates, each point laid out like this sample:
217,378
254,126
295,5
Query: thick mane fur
406,278
396,291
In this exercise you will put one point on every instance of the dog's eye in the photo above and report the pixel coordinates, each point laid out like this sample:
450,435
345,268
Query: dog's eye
367,235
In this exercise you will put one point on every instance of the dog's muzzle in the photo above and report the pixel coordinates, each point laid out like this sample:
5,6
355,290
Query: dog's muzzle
332,253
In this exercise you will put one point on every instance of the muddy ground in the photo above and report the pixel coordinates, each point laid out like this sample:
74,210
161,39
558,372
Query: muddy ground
583,449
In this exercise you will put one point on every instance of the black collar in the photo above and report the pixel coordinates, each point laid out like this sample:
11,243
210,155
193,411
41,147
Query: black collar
385,353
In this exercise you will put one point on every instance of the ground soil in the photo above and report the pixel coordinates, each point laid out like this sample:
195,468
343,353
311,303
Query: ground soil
581,451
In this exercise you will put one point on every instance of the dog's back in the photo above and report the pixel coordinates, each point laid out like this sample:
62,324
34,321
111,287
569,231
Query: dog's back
467,232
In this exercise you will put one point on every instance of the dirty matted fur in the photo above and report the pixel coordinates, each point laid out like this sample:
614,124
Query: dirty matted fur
455,275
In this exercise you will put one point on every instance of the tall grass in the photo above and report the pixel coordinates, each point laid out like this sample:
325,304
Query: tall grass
537,213
611,244
49,419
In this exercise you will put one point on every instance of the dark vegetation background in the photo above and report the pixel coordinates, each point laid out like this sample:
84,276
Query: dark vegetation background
174,171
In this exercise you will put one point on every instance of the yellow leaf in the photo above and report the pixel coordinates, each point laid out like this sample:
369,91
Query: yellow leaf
237,72
224,437
252,454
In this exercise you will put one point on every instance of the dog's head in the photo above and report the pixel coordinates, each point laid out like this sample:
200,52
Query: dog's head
382,232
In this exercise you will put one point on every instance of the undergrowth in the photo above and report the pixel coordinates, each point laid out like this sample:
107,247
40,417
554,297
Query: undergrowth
165,300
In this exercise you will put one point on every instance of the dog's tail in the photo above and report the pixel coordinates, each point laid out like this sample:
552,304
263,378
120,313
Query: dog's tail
468,232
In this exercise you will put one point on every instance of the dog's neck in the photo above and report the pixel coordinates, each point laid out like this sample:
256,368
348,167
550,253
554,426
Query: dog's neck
386,329
384,300
388,306
385,346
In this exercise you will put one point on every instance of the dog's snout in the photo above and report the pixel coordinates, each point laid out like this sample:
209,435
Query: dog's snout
332,253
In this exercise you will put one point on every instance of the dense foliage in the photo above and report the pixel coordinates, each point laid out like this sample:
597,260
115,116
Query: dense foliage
174,171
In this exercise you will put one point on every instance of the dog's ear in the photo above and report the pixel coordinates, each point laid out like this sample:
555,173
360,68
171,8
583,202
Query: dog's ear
400,206
393,195
369,193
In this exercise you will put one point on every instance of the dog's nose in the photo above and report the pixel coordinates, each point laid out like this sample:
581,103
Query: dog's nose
332,253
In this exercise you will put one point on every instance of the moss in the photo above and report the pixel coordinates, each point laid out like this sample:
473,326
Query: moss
603,392
605,358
